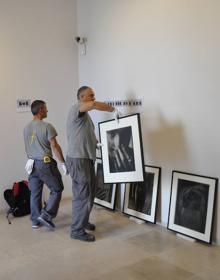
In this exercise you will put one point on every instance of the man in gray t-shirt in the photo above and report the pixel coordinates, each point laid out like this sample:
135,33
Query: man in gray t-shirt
40,140
81,155
37,135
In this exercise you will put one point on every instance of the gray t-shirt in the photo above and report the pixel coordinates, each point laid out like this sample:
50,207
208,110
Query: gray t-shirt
37,136
80,134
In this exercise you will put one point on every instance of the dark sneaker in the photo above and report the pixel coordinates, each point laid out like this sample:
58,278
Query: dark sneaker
46,223
36,225
84,237
90,227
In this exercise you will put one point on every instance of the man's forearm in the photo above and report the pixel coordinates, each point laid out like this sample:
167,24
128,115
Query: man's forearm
58,152
101,106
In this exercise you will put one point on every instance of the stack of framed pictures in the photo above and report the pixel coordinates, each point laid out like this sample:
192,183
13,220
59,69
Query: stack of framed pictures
192,205
105,193
140,198
192,196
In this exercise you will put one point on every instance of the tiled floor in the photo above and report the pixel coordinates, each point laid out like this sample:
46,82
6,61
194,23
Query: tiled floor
123,250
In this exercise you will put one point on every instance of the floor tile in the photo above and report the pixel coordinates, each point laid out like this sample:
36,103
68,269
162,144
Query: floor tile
148,269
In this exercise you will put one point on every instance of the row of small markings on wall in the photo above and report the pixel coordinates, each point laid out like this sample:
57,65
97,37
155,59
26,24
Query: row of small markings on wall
136,102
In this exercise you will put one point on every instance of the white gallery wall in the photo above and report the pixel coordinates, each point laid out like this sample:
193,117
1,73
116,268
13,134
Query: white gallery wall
38,60
167,53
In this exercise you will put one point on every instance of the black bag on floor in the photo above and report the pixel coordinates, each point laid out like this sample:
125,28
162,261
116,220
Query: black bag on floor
18,198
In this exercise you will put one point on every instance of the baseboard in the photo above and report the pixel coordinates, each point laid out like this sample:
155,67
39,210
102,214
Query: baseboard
161,224
2,211
216,242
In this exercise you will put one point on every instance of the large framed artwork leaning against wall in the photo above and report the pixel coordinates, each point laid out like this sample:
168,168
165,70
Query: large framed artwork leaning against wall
105,193
192,204
122,150
140,198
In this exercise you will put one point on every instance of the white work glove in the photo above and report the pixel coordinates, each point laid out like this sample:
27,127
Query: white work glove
29,166
117,114
65,171
99,145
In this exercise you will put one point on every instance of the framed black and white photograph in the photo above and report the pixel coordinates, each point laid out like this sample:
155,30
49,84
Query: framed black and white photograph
192,205
122,150
105,193
140,198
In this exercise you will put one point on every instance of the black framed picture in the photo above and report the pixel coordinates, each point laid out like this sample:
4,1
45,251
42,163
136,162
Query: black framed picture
122,150
105,194
140,198
192,205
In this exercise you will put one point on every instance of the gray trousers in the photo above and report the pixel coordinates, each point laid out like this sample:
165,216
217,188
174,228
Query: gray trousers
82,172
45,173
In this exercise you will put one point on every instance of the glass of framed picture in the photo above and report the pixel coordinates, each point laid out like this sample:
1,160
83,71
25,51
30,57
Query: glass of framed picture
105,193
192,205
122,150
140,198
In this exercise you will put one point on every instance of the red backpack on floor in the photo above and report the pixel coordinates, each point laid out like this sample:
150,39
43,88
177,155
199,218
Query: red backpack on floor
18,198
